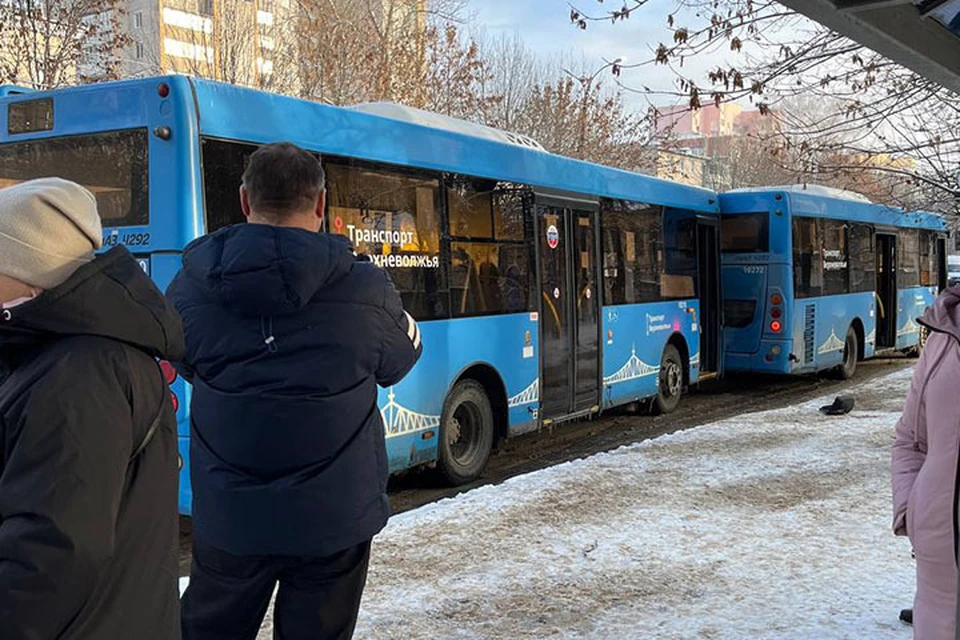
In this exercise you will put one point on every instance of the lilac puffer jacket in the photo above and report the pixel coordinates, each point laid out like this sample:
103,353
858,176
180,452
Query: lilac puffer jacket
924,470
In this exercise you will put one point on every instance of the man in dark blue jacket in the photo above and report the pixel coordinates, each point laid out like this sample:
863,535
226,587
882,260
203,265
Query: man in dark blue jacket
288,335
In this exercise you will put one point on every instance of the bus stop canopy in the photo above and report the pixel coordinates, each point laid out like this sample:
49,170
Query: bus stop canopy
922,35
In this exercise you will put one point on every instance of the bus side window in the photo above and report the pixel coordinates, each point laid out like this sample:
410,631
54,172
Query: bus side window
909,259
807,258
490,248
392,216
223,165
632,249
863,258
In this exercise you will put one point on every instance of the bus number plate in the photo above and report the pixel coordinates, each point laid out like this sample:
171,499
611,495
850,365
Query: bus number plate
753,270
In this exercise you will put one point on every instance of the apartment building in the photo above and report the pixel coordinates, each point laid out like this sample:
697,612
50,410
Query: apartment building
231,40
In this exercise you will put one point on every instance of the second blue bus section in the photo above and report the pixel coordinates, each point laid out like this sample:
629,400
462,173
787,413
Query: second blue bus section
890,263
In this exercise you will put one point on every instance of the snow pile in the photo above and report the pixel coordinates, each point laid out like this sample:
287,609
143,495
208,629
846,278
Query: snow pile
770,525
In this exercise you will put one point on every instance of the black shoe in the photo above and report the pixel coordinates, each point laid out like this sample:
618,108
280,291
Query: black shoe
906,616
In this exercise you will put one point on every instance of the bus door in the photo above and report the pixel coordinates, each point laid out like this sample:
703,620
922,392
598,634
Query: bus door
569,308
941,264
709,294
886,294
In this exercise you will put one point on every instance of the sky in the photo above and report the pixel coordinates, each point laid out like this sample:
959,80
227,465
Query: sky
545,26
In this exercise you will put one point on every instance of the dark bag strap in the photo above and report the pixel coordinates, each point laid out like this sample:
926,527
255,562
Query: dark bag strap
152,431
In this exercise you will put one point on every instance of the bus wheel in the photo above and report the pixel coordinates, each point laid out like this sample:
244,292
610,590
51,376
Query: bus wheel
466,433
670,381
851,350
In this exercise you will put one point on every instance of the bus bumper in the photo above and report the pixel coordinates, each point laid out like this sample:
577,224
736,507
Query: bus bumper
774,356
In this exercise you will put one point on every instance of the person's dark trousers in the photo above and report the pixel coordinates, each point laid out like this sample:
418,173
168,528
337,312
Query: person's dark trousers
318,598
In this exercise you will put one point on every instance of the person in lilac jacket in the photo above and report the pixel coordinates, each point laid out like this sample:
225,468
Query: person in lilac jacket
924,470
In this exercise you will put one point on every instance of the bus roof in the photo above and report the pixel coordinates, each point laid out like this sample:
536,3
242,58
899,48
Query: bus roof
820,205
248,115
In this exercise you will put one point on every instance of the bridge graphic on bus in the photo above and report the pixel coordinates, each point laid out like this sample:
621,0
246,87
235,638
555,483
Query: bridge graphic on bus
398,420
833,343
909,328
633,369
530,395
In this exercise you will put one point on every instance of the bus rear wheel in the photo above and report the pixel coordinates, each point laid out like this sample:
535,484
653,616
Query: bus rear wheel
669,381
851,352
466,433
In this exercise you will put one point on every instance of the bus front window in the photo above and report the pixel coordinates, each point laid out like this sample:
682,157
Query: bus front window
745,233
113,166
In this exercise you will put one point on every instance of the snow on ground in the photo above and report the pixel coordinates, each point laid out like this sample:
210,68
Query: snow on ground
769,525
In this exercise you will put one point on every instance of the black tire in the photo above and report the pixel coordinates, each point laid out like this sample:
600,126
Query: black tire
669,381
851,354
466,433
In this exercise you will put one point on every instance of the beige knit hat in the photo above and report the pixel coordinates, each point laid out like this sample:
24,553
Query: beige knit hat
49,228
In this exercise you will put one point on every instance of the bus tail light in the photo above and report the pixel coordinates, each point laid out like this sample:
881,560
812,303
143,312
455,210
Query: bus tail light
775,313
776,299
776,326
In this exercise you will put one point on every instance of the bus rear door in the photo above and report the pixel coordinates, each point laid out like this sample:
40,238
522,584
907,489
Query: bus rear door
886,290
569,307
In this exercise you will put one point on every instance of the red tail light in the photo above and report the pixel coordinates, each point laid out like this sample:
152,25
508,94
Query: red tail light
775,313
175,401
775,326
169,372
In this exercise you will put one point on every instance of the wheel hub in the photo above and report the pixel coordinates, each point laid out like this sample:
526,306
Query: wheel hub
673,378
453,435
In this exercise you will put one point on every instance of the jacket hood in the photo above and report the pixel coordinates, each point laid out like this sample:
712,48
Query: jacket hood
110,297
257,269
944,315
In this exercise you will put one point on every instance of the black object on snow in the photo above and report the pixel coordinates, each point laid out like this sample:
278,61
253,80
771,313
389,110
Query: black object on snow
906,616
840,406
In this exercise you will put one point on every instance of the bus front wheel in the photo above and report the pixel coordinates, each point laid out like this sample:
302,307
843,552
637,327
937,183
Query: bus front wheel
466,433
669,381
851,351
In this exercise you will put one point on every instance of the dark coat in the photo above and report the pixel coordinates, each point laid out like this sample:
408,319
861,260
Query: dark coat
88,531
288,336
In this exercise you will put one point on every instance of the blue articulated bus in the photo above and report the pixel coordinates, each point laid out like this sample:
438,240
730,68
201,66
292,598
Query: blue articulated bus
546,289
816,280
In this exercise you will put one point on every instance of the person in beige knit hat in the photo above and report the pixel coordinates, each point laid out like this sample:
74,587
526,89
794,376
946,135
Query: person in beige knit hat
88,460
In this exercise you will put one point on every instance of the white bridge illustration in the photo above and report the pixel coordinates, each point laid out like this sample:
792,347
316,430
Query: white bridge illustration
633,369
530,395
833,343
695,360
398,420
872,337
909,328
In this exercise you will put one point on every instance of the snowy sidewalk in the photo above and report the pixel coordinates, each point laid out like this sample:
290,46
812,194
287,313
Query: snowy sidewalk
770,525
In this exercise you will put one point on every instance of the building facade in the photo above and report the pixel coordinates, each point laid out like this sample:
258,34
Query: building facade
235,41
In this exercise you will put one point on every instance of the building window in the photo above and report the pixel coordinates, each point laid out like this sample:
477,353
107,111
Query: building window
205,7
139,51
138,20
